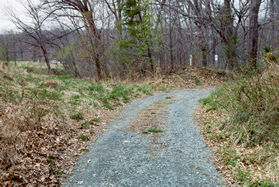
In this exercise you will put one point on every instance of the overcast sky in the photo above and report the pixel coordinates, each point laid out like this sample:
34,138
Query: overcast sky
5,6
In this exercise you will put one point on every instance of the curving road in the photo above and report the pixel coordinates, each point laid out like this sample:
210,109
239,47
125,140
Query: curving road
125,156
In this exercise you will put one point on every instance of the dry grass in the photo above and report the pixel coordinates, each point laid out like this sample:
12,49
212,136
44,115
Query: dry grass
150,122
151,117
240,123
192,77
39,142
240,165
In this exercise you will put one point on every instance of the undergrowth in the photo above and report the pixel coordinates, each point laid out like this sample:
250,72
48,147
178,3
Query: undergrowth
47,120
243,118
42,115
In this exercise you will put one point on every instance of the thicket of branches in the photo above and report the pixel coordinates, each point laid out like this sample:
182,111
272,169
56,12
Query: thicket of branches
119,38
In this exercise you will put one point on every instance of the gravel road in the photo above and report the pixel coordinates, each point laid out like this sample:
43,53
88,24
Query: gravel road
175,157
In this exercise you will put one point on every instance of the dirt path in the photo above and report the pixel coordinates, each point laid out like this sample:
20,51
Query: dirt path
130,153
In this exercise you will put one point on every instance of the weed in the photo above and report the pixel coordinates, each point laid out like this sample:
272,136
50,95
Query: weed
62,77
84,138
75,97
74,102
163,89
58,173
50,159
86,150
242,176
9,95
198,82
97,88
44,94
145,89
92,132
107,104
8,77
152,131
206,101
30,69
96,120
86,125
230,157
77,116
168,97
145,132
120,91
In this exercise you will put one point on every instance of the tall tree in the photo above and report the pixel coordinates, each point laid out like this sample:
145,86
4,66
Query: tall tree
138,20
230,36
254,31
86,11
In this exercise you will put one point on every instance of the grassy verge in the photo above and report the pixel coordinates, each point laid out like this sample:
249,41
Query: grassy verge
46,121
240,122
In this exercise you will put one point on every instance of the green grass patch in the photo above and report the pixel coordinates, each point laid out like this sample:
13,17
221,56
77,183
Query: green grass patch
151,130
77,116
84,138
95,120
86,125
198,82
245,113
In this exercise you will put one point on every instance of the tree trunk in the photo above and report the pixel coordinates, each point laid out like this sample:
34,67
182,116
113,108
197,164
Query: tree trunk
150,60
204,56
98,66
273,24
46,58
97,37
230,39
254,32
171,47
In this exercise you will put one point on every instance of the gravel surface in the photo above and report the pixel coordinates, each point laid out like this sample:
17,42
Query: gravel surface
176,157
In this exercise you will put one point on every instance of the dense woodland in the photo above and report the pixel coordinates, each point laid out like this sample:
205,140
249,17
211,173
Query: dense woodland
120,38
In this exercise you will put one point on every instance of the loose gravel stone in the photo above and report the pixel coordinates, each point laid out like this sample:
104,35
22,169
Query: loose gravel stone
178,157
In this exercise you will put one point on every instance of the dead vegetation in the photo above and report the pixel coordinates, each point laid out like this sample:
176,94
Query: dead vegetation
151,117
47,121
150,122
192,77
240,123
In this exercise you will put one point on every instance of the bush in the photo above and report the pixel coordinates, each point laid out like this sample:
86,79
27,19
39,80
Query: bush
252,105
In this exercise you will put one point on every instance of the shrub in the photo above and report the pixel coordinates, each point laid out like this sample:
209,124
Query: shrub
252,105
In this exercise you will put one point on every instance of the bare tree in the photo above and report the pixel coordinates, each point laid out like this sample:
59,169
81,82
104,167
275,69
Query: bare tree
38,17
254,31
201,28
86,10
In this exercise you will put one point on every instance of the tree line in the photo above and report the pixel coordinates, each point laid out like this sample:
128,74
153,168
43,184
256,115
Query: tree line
120,38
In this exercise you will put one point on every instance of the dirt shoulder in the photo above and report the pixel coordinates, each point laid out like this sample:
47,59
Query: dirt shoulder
48,121
240,165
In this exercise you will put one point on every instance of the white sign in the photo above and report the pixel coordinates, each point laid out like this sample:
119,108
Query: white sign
191,60
216,60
